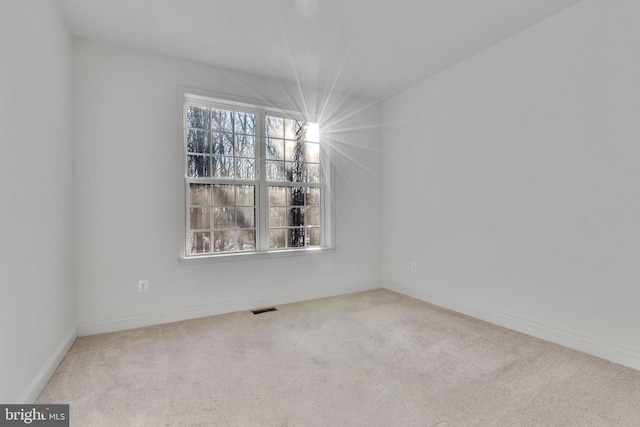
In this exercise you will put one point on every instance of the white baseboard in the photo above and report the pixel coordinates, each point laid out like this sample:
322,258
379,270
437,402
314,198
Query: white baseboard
611,352
38,384
158,318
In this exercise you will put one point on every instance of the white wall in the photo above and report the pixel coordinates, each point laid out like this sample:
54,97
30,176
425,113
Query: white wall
37,297
512,180
129,189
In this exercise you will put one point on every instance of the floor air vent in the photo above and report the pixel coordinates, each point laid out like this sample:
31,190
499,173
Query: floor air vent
264,310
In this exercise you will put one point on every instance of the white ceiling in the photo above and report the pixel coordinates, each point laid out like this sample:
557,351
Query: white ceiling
370,48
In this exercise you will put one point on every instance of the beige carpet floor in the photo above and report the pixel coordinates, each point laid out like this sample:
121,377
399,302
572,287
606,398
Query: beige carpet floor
368,359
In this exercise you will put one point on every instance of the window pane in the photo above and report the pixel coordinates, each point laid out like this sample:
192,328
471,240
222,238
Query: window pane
277,196
313,172
221,121
313,216
224,195
223,167
295,196
200,218
245,146
224,218
296,172
275,171
246,217
292,129
197,141
313,196
277,239
314,236
274,127
295,237
244,123
197,117
199,195
222,144
246,240
292,152
245,195
245,169
312,133
277,217
224,241
296,216
312,152
200,242
198,166
275,149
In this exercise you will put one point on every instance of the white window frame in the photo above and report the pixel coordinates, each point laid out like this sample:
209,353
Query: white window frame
261,109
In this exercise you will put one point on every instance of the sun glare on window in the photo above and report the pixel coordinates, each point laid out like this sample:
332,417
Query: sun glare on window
313,132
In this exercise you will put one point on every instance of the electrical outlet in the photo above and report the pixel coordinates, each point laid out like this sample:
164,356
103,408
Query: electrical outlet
143,285
414,267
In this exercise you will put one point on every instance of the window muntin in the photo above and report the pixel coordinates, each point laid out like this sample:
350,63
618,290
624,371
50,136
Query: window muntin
237,162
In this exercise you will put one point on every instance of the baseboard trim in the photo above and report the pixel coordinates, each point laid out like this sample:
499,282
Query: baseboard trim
39,382
604,350
157,318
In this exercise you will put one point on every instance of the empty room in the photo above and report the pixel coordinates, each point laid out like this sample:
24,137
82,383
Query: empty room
320,212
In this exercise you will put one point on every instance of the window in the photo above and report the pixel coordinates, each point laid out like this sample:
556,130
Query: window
255,180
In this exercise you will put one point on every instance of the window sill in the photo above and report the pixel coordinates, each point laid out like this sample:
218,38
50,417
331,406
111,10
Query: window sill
246,256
